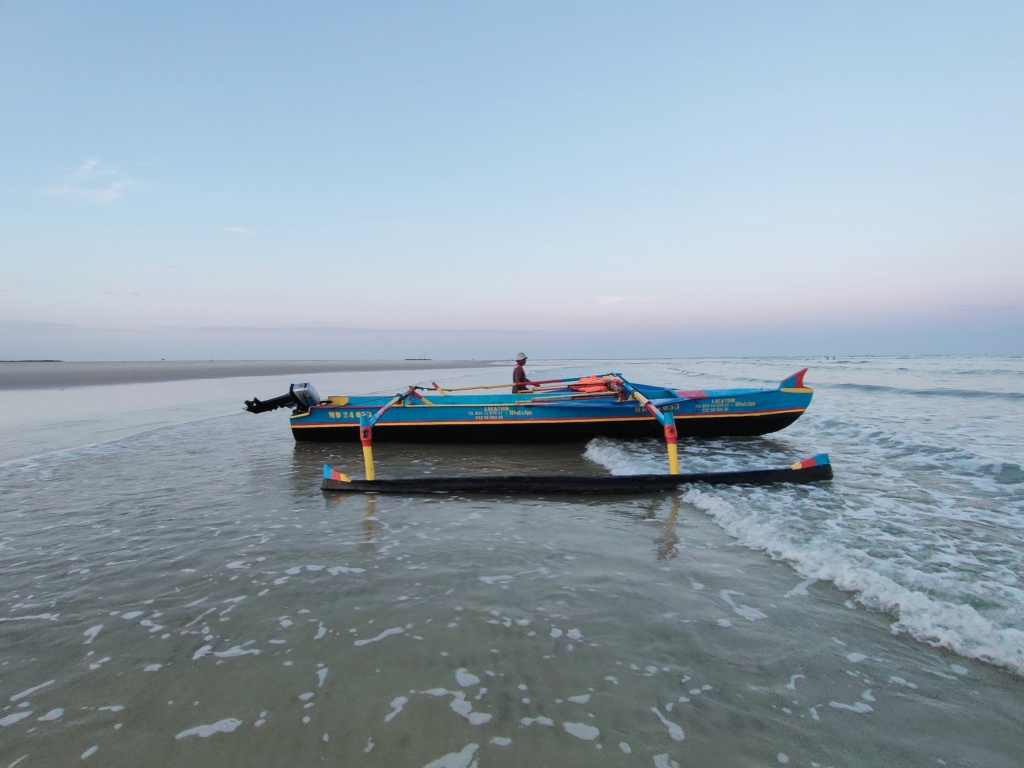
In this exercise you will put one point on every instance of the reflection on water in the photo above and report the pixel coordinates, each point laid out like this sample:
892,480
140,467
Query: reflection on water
668,542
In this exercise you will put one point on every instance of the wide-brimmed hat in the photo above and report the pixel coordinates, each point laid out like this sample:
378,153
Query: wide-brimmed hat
520,356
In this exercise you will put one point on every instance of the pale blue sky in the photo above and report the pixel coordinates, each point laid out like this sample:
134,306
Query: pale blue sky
467,179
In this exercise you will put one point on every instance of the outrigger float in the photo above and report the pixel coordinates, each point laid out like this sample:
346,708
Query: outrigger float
555,410
809,470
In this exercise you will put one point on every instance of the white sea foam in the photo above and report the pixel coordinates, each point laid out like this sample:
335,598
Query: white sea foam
36,617
226,725
202,652
745,611
397,705
675,732
900,681
858,706
17,717
581,731
957,627
461,706
238,650
463,759
936,521
503,579
541,720
386,633
621,459
29,691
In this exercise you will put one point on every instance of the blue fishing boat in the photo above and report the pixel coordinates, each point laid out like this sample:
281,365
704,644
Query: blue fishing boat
555,410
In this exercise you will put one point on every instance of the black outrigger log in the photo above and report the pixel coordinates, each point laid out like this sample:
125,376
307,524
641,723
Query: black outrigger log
809,470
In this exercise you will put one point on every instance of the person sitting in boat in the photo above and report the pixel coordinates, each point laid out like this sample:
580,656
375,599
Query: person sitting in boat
519,380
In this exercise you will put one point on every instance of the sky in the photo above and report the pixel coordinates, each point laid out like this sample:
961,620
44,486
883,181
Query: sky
340,180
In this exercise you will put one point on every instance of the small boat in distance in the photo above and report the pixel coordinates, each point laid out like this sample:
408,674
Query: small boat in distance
555,410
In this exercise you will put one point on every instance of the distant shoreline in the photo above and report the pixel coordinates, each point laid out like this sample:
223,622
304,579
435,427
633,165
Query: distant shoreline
53,374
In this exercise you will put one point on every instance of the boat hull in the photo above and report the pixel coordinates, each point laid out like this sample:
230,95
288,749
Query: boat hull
568,430
543,418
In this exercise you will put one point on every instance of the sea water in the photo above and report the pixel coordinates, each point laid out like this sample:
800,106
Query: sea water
177,591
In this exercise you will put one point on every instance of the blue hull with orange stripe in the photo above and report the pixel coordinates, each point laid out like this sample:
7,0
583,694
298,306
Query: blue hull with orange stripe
555,411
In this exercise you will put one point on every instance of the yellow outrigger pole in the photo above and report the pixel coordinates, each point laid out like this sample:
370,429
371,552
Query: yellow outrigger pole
366,430
666,420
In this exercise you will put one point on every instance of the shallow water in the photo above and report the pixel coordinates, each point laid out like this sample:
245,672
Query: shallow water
180,592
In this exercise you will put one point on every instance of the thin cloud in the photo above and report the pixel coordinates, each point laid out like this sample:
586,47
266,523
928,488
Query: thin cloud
611,299
88,169
92,182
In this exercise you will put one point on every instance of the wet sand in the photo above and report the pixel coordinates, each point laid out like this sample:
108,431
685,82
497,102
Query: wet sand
60,375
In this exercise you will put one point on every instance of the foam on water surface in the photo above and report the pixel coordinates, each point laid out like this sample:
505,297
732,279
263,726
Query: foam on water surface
242,608
227,725
915,523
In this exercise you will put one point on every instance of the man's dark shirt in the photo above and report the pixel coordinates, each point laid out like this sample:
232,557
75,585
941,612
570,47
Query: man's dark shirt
519,379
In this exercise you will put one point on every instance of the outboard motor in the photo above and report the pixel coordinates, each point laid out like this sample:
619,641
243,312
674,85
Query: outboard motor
300,396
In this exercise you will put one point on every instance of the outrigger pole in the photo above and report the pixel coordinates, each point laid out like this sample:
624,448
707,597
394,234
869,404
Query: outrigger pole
665,419
366,428
808,470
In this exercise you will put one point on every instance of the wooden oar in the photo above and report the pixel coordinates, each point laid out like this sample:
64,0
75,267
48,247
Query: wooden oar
576,396
496,386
